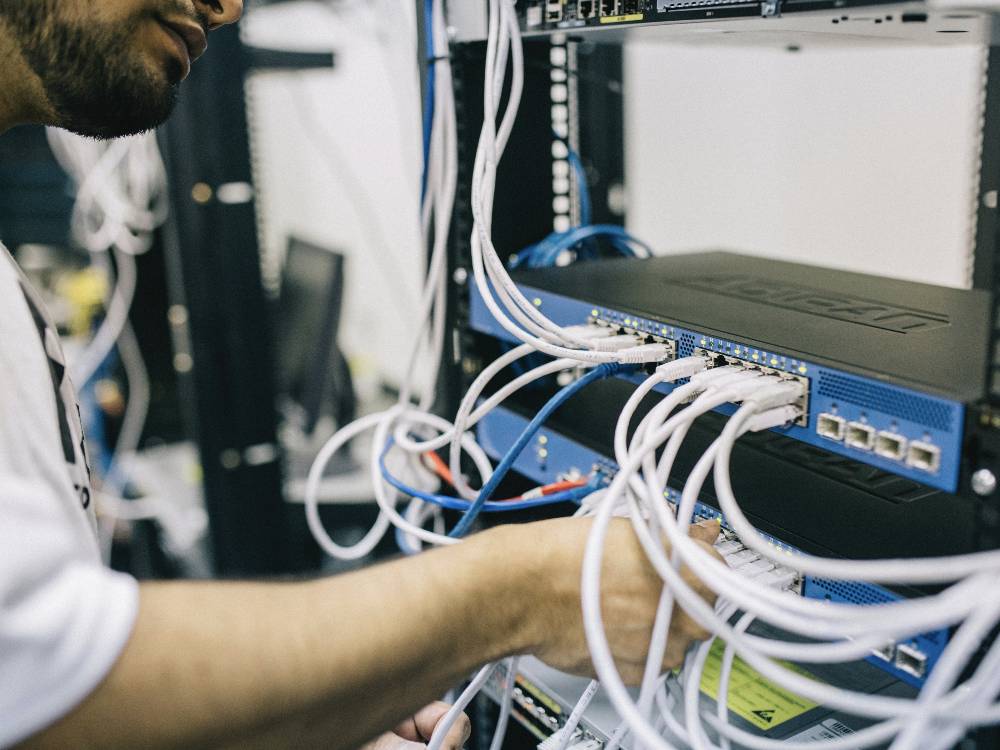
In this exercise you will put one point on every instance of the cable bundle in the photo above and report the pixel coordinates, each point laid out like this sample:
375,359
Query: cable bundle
411,428
121,199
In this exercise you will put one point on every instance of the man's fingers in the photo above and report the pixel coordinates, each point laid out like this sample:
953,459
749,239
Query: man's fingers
427,719
392,741
706,531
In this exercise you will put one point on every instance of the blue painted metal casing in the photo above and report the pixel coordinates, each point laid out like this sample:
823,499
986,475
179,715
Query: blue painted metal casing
553,456
916,417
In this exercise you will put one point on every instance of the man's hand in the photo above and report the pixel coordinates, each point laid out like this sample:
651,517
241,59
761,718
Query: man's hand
415,732
630,592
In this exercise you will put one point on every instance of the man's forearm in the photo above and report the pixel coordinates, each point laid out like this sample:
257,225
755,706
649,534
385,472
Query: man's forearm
333,661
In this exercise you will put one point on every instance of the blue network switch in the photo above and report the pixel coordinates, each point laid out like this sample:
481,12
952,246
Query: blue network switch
554,456
900,430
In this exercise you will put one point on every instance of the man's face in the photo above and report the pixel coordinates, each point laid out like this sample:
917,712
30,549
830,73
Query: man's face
112,67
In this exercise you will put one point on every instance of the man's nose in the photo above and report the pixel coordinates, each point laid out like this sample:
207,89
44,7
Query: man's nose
220,12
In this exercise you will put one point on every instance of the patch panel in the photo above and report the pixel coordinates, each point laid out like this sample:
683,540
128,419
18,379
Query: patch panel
910,662
880,376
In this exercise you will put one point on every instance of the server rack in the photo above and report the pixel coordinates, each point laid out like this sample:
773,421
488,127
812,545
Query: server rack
593,72
220,315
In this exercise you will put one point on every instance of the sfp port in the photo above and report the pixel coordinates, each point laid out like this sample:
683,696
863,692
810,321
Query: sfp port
831,426
911,660
609,7
859,435
886,652
924,456
890,445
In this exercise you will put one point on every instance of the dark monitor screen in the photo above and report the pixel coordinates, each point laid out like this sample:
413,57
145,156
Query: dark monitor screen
311,370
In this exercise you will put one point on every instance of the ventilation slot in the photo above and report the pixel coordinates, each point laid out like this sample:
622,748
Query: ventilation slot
919,409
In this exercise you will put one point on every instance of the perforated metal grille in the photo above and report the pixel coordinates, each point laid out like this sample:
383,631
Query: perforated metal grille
919,409
856,593
685,345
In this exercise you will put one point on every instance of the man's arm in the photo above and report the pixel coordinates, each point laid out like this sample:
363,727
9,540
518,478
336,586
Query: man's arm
334,662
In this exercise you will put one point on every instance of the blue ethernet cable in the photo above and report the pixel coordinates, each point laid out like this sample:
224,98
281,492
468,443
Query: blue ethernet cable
575,495
430,91
546,252
598,373
455,503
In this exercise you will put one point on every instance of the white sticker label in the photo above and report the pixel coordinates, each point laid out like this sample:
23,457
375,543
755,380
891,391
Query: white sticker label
830,729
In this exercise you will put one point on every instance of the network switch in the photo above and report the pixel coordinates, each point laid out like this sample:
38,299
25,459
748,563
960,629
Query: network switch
885,18
890,365
910,662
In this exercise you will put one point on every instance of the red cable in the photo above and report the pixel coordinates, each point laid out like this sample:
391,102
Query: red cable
439,467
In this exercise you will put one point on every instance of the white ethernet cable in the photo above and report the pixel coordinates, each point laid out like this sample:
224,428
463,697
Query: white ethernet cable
121,198
442,175
604,515
732,387
471,691
506,704
561,739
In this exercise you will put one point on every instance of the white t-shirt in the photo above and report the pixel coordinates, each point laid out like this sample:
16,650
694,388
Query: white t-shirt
64,617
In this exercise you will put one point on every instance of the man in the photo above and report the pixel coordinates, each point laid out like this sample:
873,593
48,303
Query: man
90,658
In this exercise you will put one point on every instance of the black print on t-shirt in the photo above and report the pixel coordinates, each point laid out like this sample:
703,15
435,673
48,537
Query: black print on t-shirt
57,370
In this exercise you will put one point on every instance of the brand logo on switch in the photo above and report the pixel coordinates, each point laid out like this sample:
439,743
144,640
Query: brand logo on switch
819,302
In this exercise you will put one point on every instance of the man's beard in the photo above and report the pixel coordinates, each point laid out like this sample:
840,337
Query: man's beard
97,86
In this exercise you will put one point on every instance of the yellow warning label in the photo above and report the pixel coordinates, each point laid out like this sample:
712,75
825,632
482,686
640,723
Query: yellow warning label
751,696
620,19
541,696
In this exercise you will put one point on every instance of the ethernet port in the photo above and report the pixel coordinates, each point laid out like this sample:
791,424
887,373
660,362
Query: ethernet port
911,660
924,456
609,7
891,445
860,435
886,652
554,11
586,9
830,426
